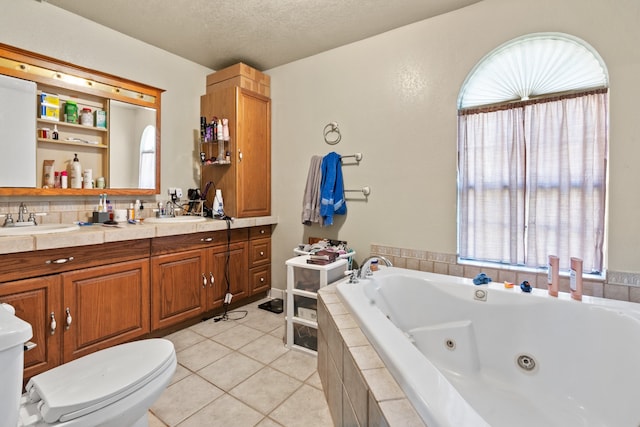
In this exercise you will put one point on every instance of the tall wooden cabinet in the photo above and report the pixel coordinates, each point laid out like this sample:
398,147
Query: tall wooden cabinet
246,180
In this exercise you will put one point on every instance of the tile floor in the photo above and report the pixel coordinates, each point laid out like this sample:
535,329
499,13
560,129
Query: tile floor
238,373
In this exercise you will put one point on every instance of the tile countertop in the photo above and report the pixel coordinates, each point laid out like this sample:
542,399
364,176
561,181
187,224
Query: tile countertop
97,234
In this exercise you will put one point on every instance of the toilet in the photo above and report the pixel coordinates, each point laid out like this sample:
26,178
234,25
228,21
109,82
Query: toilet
113,387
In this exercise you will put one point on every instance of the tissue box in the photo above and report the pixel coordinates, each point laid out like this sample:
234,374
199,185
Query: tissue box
100,217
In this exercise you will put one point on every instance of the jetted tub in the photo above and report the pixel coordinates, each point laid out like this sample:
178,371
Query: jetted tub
469,355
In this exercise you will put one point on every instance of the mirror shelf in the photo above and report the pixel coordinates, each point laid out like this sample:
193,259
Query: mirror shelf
97,91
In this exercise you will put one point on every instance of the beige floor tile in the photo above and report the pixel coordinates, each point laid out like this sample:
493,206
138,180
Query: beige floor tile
279,331
297,364
268,422
266,389
306,407
264,321
314,381
230,371
238,336
184,398
184,339
155,421
225,411
265,349
210,327
180,373
202,354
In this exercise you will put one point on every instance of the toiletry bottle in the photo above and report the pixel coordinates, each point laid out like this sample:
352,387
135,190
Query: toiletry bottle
55,134
218,204
76,173
131,212
553,275
64,179
220,131
57,181
225,129
138,208
575,279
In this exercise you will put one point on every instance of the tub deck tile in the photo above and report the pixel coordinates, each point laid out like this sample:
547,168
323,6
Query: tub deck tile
382,385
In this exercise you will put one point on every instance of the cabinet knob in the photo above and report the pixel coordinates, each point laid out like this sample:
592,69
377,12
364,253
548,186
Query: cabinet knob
52,323
206,239
261,253
204,281
262,231
69,319
212,279
262,280
239,155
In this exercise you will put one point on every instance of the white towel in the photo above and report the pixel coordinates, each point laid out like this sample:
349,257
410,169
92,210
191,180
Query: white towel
311,200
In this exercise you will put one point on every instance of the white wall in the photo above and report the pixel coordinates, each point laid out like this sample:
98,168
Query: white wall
394,97
48,30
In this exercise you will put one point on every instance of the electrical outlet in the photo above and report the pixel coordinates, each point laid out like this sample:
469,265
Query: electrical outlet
178,192
171,191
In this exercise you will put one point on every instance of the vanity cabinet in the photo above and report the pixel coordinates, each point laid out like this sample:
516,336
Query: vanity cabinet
39,302
78,300
189,274
259,259
245,181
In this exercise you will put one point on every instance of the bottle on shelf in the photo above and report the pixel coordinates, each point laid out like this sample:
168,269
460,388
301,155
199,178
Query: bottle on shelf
76,172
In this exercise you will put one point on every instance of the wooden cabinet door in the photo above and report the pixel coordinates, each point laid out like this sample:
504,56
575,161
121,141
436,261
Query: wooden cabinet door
254,154
259,279
178,287
106,306
227,266
36,301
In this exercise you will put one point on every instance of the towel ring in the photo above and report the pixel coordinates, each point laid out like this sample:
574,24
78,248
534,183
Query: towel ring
329,129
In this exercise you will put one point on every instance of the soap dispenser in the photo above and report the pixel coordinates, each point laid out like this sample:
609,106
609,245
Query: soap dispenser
76,173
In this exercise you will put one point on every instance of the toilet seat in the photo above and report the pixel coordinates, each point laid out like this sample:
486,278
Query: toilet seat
92,382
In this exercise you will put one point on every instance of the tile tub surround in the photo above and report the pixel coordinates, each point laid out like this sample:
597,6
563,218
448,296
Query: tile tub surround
623,286
359,389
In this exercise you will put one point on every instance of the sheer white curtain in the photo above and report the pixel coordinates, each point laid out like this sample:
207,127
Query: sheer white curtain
567,146
532,182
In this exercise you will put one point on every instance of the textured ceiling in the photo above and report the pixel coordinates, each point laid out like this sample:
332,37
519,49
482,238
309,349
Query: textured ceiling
261,33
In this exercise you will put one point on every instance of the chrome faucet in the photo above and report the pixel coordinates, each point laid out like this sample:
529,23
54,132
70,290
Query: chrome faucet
21,211
365,268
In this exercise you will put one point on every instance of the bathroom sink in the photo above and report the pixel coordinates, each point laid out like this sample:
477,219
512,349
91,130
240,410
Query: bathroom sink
177,219
37,229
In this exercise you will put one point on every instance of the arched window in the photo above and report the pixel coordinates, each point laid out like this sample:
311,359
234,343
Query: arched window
532,154
147,167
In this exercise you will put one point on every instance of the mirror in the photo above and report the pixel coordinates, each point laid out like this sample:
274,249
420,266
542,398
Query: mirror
124,150
132,156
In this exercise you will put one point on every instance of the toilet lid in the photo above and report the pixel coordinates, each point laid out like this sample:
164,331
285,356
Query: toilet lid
92,382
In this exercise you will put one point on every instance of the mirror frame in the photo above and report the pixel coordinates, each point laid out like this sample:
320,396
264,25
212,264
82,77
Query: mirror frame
49,71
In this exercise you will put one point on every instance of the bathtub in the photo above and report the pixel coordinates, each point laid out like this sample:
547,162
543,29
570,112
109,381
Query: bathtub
469,355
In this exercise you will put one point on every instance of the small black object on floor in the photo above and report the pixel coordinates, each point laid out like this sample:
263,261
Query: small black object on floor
274,305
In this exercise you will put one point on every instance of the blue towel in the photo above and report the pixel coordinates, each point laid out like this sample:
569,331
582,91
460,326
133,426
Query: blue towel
331,189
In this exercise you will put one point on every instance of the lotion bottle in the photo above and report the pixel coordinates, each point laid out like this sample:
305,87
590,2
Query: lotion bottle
218,204
553,275
76,173
575,279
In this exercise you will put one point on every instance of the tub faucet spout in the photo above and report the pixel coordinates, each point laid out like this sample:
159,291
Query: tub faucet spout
365,268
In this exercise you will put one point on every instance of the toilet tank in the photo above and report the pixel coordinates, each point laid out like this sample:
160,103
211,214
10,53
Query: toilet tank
14,333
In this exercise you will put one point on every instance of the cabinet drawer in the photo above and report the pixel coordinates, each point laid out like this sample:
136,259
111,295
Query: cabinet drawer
39,263
185,242
260,279
259,252
260,232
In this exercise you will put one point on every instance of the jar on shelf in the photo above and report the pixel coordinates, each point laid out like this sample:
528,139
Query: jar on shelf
86,117
71,112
